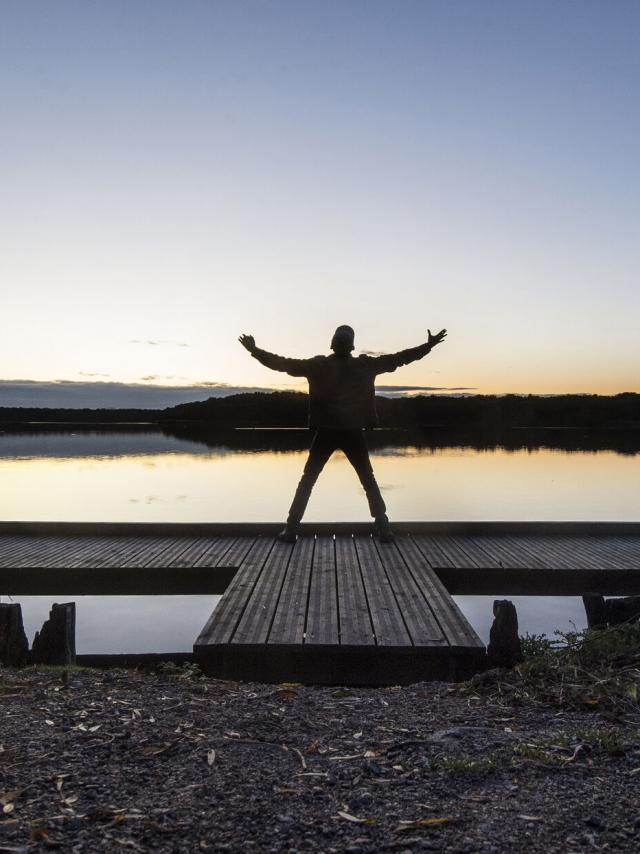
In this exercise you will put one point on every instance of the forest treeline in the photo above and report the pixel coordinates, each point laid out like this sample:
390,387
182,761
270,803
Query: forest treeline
289,409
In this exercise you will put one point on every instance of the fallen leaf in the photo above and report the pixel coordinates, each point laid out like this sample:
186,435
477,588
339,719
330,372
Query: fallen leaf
354,818
211,756
531,817
48,722
153,749
7,808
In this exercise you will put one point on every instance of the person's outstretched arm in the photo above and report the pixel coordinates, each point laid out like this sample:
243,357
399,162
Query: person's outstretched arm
387,363
294,367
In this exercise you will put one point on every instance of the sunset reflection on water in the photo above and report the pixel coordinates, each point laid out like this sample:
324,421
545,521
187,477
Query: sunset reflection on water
63,479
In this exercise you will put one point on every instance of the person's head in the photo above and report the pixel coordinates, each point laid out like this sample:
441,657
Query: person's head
342,341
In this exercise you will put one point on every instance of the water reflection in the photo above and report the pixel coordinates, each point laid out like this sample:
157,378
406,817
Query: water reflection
249,475
171,623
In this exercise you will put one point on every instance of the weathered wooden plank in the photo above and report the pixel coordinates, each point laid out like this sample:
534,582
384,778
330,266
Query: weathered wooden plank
199,547
546,549
355,621
619,551
291,611
35,551
120,551
222,623
455,626
433,554
581,554
53,553
477,551
418,617
322,615
238,550
509,551
253,626
14,548
76,553
388,625
457,554
10,546
157,552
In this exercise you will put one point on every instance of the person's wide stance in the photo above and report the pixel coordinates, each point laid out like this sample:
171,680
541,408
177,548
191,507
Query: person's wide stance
341,405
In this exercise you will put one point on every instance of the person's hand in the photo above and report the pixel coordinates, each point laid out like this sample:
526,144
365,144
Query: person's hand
436,339
248,342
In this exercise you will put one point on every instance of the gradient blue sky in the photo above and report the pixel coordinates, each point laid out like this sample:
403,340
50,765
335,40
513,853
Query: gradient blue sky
176,173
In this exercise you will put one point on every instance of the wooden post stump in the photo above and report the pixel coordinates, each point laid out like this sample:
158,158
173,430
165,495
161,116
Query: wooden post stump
14,647
55,643
603,612
505,648
596,610
623,610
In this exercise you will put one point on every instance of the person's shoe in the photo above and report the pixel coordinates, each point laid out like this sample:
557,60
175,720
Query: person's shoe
384,531
288,534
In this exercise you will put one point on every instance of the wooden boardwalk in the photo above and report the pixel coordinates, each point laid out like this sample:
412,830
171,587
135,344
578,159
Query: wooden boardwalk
338,609
493,558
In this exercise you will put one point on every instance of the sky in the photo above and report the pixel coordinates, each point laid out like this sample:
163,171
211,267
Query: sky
175,174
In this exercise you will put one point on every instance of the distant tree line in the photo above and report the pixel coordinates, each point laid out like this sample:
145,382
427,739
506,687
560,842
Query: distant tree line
477,413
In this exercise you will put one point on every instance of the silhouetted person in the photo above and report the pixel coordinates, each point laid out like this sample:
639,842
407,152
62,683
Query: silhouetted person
341,405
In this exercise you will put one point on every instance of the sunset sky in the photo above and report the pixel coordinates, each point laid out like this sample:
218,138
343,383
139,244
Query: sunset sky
174,174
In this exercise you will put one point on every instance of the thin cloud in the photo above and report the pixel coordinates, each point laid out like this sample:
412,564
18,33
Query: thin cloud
153,377
408,390
423,388
90,374
68,394
160,342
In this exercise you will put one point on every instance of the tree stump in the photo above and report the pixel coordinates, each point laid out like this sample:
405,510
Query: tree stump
603,612
505,648
596,610
55,643
14,647
623,610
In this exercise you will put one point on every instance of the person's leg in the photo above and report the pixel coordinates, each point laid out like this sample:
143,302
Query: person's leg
355,448
322,446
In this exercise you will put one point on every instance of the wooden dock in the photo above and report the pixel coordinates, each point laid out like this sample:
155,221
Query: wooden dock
491,558
336,607
340,610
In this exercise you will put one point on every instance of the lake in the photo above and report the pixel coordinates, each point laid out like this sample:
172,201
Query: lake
150,476
143,474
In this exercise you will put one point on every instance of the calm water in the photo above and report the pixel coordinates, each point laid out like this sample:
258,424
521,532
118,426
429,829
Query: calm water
141,475
171,623
138,476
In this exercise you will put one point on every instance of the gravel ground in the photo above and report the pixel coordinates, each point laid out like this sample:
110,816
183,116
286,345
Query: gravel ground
127,761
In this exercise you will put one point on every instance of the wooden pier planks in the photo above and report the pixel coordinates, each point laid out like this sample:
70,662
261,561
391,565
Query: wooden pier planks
344,609
352,598
470,557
